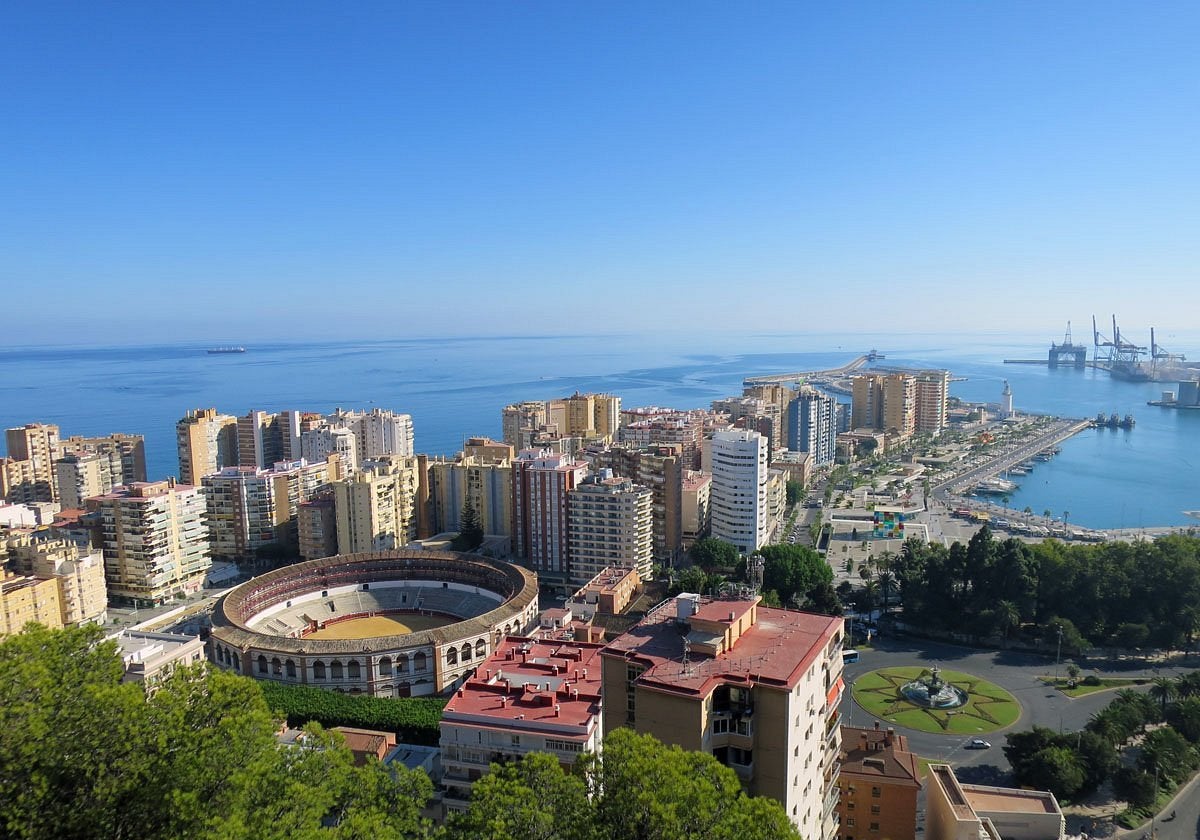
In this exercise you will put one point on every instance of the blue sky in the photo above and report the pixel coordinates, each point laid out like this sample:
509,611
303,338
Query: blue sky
174,170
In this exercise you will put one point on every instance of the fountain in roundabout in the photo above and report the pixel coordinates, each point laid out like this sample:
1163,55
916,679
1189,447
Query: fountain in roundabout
932,692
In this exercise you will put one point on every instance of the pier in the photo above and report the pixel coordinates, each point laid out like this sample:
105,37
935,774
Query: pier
1000,462
801,376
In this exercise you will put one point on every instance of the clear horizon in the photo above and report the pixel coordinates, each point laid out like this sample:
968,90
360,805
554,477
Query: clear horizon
219,173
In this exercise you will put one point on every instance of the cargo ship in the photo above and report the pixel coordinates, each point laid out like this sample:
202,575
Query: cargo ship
215,350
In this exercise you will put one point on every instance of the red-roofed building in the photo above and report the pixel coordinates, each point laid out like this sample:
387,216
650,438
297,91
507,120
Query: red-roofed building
756,687
531,695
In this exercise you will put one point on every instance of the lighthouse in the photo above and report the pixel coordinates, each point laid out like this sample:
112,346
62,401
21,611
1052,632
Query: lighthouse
1006,409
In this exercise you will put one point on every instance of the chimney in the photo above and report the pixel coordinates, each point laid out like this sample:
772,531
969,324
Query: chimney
585,673
876,725
557,709
461,692
732,615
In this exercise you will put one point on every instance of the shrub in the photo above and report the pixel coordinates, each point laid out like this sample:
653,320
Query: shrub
413,719
1091,679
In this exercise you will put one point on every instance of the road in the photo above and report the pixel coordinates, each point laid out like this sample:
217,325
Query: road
1017,673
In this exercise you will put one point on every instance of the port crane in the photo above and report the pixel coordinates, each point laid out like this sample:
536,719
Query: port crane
1159,353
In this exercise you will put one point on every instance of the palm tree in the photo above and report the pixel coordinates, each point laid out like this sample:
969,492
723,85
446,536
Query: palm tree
886,581
1008,617
1164,691
1105,725
1049,514
1188,685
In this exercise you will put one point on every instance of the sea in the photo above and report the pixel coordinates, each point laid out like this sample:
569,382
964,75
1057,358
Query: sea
454,388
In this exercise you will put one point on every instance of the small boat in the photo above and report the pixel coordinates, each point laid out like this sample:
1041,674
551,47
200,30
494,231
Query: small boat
216,350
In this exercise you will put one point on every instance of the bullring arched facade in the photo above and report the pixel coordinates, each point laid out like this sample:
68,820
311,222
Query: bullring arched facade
258,627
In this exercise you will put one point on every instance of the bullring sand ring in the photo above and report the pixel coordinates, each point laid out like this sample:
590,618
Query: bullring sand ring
380,625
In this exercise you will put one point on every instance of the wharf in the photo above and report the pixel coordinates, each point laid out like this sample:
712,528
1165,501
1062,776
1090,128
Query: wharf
1041,362
1001,461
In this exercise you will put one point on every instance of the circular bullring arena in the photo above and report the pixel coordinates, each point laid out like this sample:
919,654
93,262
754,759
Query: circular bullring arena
387,624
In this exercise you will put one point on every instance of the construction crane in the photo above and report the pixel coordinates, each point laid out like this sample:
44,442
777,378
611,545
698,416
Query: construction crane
1099,341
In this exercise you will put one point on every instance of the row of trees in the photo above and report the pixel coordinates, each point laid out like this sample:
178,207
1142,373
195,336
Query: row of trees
793,576
1076,763
1116,593
86,756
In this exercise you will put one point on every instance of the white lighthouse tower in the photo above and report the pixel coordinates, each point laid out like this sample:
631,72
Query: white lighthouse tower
1006,408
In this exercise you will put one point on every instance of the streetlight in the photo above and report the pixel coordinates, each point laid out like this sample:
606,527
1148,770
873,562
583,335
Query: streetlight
1058,656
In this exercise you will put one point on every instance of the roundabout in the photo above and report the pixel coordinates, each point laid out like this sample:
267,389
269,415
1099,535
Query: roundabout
936,701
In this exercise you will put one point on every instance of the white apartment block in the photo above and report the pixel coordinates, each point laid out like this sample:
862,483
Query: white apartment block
738,494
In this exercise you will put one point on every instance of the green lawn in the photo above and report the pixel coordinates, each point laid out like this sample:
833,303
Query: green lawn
988,706
1106,683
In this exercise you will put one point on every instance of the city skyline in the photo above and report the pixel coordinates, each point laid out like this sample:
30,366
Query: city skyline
241,174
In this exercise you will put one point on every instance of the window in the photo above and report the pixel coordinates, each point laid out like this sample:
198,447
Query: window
850,821
720,725
876,792
874,826
262,664
353,671
318,670
335,670
874,810
451,656
516,740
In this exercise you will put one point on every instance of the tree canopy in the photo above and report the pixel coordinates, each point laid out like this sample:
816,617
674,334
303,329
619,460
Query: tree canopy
87,756
639,789
712,553
796,573
1114,593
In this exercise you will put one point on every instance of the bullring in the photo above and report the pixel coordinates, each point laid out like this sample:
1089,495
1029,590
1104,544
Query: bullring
266,628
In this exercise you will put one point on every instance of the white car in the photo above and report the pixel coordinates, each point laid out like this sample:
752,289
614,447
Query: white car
978,744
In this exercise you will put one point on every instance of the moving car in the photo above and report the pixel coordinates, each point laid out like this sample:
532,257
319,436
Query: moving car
978,744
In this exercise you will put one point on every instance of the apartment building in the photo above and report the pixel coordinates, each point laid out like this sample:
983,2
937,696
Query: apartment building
738,496
660,468
377,433
686,429
27,473
541,481
331,442
530,695
316,526
207,442
154,539
376,507
126,454
954,811
24,599
880,781
758,688
813,421
932,396
266,438
482,473
900,404
77,569
610,592
609,525
78,475
521,422
866,401
249,508
696,517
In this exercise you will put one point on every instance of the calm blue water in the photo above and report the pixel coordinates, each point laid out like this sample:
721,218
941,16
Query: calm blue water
455,388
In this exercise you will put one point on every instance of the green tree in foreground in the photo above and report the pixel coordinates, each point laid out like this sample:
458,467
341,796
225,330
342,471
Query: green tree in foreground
87,756
639,790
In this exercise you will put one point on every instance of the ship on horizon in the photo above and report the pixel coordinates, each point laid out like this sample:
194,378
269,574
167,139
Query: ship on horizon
238,349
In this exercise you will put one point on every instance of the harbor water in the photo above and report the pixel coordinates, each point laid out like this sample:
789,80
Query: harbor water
455,388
